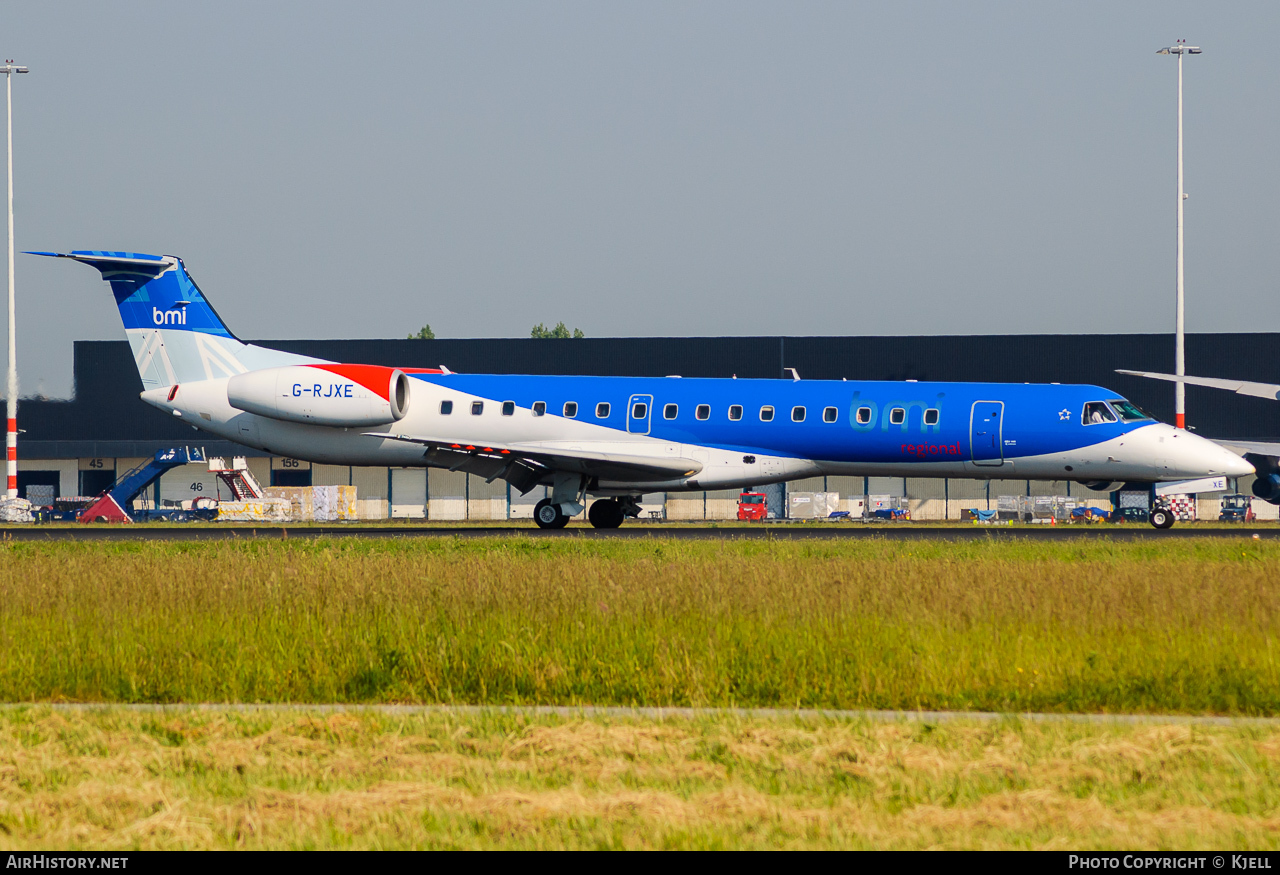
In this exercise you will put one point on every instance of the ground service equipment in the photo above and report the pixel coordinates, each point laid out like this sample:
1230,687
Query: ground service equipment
753,507
112,506
1236,509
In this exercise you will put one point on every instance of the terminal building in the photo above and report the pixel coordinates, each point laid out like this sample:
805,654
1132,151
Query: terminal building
79,446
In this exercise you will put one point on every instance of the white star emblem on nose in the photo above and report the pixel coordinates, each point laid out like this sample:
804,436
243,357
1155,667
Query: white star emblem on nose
1064,414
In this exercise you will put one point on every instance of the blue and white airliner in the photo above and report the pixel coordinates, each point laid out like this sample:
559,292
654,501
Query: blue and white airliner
617,438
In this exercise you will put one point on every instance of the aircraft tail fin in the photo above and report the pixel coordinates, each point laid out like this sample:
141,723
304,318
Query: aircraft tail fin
175,334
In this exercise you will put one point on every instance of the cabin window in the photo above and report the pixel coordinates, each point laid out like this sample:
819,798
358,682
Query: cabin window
735,412
931,416
702,411
570,409
477,407
766,414
1129,411
897,416
670,411
829,414
446,407
639,410
539,408
864,415
1096,412
508,408
602,410
797,414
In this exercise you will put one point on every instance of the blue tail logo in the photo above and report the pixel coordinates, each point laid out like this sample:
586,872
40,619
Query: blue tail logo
175,334
152,291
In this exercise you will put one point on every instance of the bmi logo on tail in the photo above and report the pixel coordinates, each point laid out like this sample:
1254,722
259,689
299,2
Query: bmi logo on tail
169,317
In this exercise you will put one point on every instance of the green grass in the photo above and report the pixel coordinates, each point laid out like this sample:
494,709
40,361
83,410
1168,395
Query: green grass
108,779
1175,627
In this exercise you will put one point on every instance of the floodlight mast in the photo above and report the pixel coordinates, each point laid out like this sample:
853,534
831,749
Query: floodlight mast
11,383
1180,48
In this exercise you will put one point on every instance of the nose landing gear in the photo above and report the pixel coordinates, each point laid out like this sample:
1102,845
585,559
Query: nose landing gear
1161,516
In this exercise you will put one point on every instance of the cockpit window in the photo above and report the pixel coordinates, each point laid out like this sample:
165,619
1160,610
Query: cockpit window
1129,411
1096,412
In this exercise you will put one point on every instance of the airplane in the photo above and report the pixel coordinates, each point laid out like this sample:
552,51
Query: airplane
1264,456
617,438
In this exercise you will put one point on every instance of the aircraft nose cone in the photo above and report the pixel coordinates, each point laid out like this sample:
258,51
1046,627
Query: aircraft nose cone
1236,466
1180,454
1217,460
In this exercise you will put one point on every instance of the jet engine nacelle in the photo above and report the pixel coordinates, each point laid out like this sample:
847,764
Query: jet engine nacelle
1267,487
334,395
1099,485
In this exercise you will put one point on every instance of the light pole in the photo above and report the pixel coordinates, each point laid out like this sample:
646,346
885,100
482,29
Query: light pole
11,384
1180,355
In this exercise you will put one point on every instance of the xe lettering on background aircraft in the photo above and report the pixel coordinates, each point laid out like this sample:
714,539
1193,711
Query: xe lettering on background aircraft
617,438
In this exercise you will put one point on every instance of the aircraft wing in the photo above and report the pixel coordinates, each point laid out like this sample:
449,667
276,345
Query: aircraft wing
1260,448
1240,387
523,465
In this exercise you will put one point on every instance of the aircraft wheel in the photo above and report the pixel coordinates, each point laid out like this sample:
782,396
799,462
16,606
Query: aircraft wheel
1161,518
606,514
549,516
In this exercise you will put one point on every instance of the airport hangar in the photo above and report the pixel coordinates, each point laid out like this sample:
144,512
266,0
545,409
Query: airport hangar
78,446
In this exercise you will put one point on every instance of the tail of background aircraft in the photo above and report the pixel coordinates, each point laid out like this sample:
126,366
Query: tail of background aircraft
175,335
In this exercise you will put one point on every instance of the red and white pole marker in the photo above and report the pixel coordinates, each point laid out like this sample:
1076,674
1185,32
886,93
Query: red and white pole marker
11,384
11,451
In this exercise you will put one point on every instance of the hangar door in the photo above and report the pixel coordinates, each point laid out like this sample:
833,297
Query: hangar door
986,433
408,493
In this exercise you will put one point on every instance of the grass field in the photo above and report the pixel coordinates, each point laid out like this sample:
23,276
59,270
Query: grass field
1174,627
110,779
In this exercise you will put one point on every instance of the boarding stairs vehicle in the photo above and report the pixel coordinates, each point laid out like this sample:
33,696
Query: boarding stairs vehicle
237,478
112,506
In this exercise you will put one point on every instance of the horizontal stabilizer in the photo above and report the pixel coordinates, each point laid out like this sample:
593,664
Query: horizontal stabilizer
117,262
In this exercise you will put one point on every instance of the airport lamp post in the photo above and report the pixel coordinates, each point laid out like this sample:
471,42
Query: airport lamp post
1180,355
11,384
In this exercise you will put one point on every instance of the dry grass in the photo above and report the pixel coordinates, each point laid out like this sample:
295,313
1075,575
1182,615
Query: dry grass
1185,627
111,779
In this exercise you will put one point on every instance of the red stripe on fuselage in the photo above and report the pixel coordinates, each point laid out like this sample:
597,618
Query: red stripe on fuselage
375,378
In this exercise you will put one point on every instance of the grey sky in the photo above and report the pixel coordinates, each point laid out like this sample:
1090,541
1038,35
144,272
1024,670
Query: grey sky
684,168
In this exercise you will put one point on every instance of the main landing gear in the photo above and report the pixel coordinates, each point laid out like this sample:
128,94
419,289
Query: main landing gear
605,513
549,516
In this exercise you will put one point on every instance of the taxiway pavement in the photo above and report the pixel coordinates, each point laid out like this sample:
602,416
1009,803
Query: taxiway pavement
894,532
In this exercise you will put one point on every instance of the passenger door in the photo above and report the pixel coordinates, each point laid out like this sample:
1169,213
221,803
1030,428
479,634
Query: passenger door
986,433
639,412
